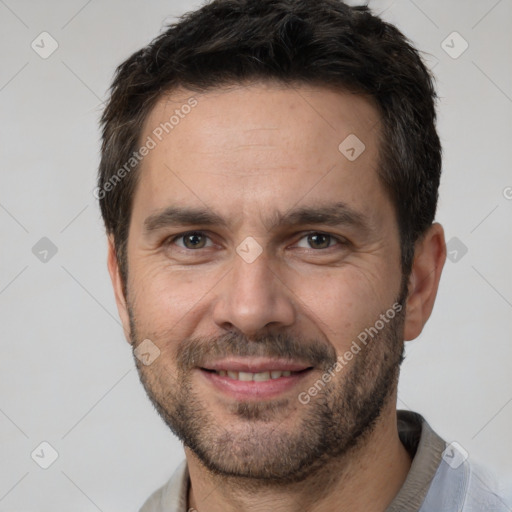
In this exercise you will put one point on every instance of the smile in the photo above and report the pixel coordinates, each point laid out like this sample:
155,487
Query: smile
258,377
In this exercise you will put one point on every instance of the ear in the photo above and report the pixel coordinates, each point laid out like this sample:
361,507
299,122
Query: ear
117,283
429,258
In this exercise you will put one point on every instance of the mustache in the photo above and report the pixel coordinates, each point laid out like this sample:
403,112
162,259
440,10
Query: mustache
197,352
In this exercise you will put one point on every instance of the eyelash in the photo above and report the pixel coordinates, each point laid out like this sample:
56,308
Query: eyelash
340,240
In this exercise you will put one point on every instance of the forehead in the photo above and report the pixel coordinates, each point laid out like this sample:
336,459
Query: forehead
260,144
262,112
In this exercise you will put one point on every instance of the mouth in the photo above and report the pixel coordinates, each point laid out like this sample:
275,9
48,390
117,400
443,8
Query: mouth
255,379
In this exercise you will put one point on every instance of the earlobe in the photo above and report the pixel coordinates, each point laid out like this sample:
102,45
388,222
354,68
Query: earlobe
429,259
117,284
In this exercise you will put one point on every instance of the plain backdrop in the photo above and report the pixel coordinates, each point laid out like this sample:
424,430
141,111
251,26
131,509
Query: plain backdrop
67,376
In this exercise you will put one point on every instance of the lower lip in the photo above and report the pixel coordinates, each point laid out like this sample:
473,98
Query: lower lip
256,390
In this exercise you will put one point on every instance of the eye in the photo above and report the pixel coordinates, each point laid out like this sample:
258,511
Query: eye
317,240
191,240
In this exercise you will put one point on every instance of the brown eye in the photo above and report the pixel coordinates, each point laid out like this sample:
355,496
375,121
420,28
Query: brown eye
193,240
319,240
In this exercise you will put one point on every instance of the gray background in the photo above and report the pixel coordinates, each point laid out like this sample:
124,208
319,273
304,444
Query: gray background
67,375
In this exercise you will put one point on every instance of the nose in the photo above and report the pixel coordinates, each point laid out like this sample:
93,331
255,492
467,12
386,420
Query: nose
252,297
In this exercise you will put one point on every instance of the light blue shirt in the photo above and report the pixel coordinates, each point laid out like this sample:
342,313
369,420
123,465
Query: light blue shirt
441,478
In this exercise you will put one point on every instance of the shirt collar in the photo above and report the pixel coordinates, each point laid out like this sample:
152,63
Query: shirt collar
427,448
422,443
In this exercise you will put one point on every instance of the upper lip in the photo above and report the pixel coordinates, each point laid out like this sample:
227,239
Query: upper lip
255,365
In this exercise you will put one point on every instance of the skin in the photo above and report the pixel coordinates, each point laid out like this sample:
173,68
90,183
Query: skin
246,153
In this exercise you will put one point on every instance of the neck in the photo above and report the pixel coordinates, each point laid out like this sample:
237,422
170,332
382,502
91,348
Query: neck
366,478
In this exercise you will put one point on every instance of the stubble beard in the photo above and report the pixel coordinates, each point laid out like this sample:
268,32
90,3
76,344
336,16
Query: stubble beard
254,440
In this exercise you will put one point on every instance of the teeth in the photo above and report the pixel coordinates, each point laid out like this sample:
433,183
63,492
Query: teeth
257,377
261,376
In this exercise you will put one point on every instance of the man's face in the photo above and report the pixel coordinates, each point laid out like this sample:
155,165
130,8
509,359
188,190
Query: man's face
257,247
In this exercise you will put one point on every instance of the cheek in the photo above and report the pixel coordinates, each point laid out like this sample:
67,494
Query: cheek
167,300
340,303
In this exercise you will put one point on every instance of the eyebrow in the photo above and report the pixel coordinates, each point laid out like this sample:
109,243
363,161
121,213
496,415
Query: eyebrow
173,216
335,214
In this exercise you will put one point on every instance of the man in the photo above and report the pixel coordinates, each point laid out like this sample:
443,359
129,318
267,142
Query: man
268,181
